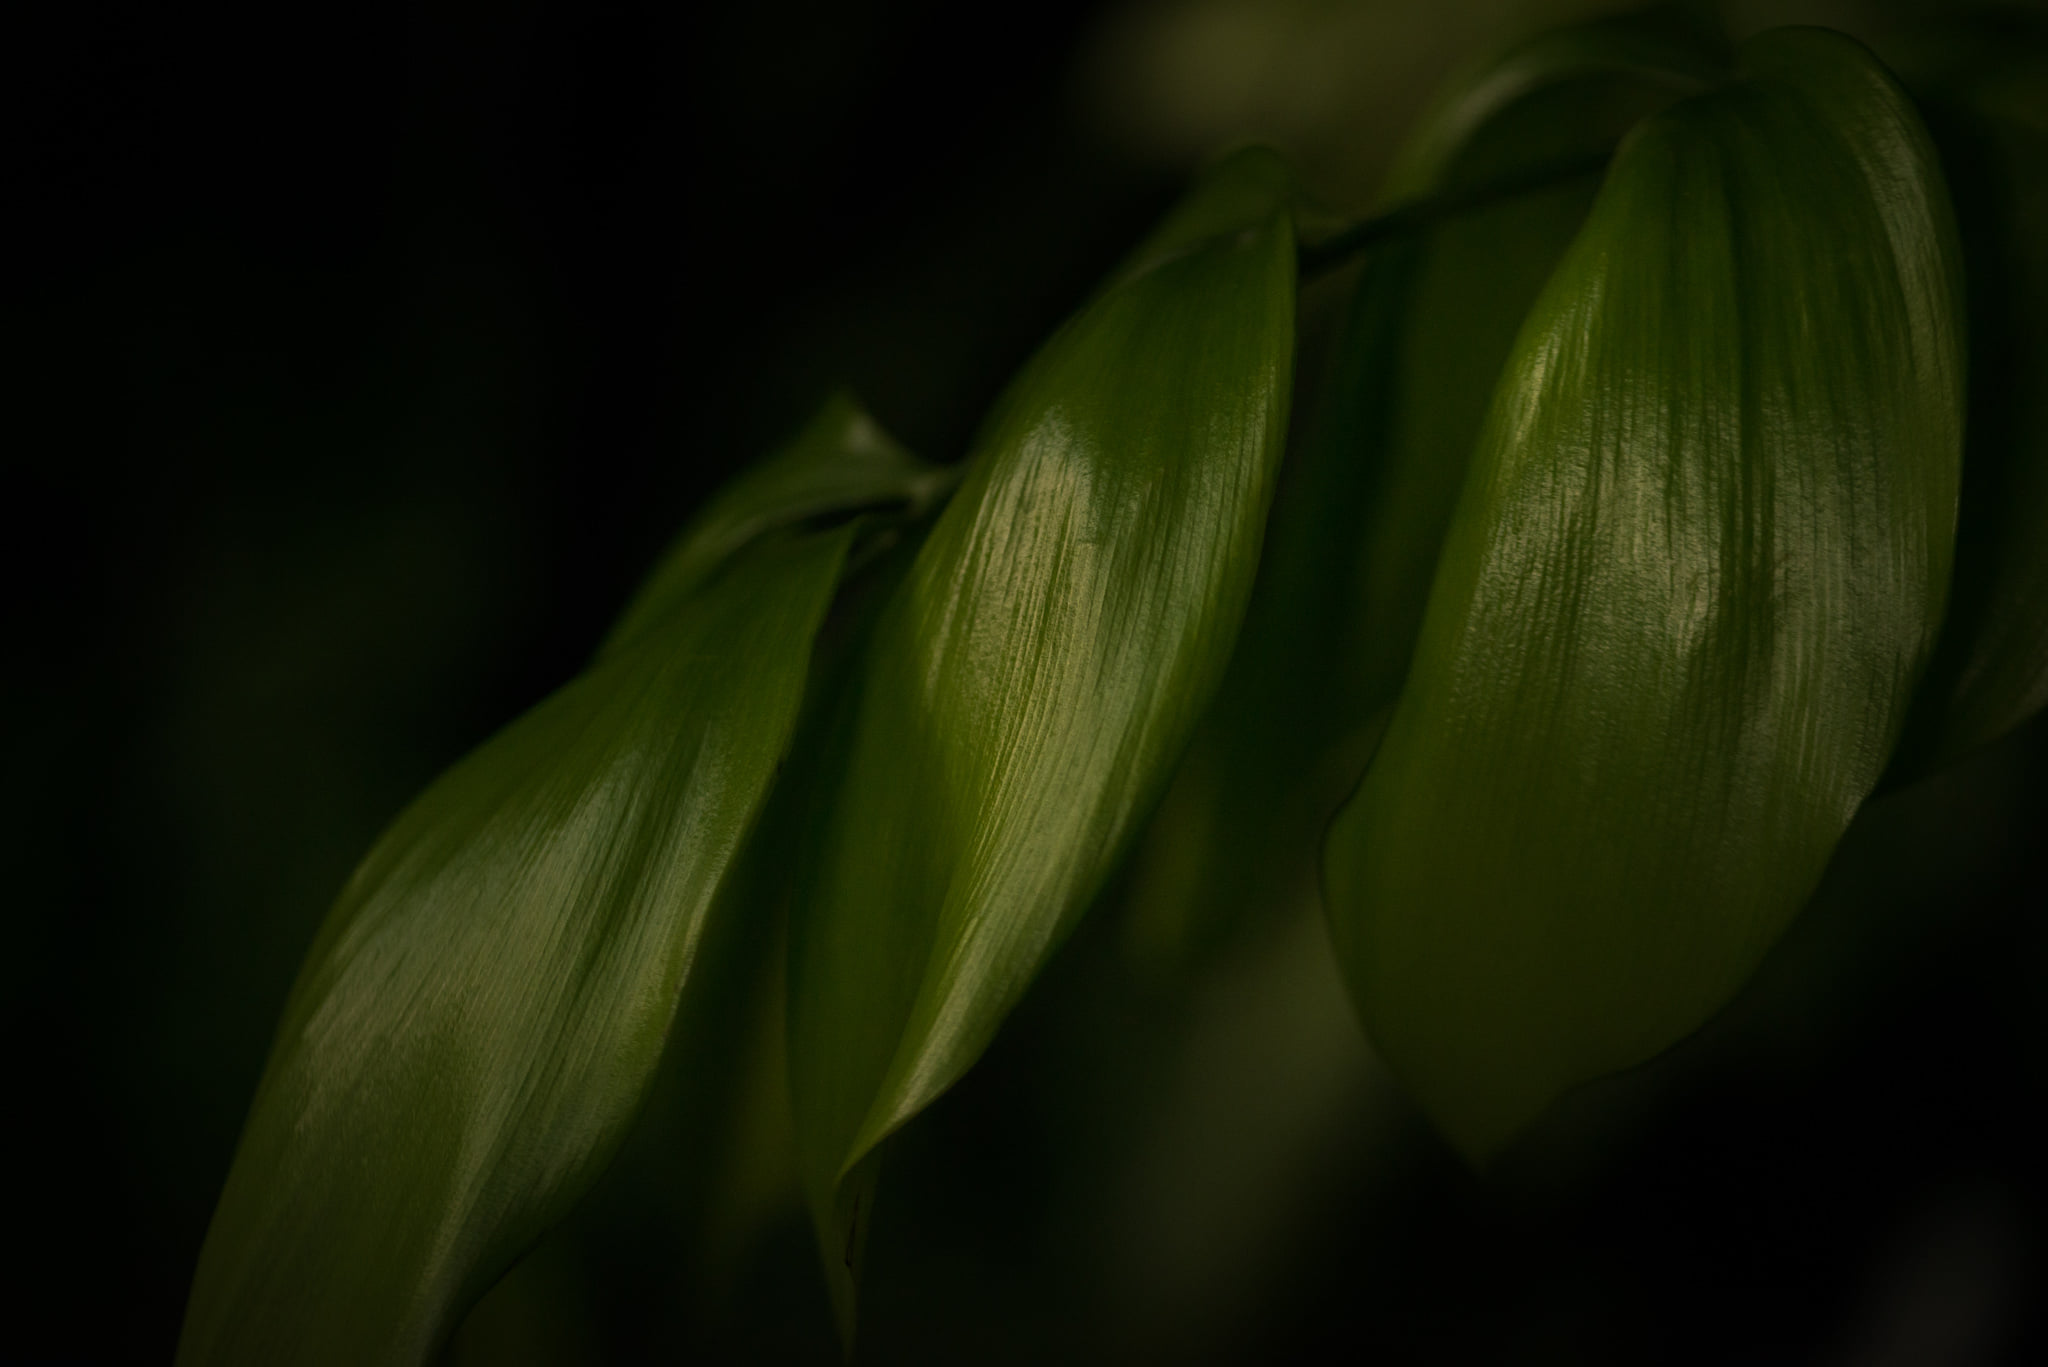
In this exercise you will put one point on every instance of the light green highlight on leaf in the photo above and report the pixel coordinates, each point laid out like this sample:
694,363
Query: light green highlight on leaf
1687,590
1034,679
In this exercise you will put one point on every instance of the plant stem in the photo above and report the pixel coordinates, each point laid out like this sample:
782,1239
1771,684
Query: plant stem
1335,250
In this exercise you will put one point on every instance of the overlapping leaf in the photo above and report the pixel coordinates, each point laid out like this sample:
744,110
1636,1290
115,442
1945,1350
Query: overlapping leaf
1363,502
1033,680
484,1008
1687,589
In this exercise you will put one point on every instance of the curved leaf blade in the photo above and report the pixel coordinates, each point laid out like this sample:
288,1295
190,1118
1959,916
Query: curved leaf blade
484,1008
1034,678
1694,575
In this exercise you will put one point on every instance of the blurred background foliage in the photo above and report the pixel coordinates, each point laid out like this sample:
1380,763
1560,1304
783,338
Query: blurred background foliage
368,356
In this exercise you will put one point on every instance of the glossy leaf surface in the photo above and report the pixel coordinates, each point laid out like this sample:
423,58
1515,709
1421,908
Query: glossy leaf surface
485,1006
1684,598
1033,680
1364,499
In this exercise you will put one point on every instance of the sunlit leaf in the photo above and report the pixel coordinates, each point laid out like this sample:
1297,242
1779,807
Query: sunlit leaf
1686,592
1365,496
1990,671
1034,679
483,1010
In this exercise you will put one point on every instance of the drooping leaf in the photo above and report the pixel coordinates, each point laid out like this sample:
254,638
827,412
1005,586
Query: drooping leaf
1686,592
483,1010
1990,672
1364,499
1032,682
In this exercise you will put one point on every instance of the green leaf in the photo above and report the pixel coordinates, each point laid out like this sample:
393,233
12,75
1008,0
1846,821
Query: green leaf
1990,671
1033,681
1695,572
483,1010
842,462
1363,502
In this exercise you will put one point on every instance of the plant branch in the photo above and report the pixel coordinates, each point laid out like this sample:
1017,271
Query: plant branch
1331,252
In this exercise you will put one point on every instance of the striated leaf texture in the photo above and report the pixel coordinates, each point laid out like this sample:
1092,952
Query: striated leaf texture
483,1011
1990,671
1687,590
1364,499
1034,678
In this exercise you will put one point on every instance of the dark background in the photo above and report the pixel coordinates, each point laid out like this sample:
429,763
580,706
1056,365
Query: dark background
368,355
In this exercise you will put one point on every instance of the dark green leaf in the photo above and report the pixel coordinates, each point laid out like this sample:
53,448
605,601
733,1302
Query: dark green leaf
1688,587
1036,676
1363,502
